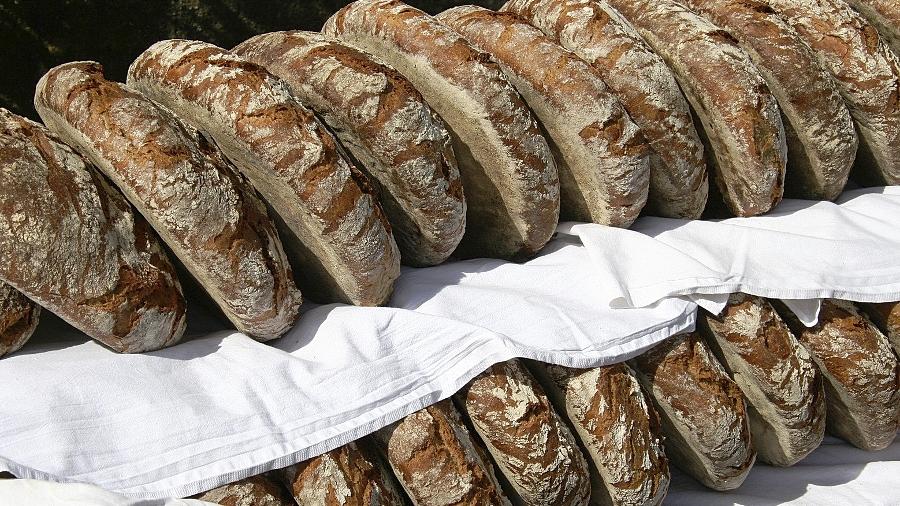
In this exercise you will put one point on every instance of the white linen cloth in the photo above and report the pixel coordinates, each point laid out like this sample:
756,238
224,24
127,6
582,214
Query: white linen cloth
48,493
800,252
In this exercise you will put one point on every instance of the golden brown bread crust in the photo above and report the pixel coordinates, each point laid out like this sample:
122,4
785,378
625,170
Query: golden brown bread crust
703,414
740,116
340,240
784,390
384,122
862,376
646,89
18,319
438,462
70,242
259,490
885,16
821,138
351,475
532,447
600,154
866,72
208,215
507,168
886,316
618,428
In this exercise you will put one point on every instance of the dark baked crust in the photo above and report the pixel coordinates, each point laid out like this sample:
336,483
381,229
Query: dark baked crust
259,490
18,319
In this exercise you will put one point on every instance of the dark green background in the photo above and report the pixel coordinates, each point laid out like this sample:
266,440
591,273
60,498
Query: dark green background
36,35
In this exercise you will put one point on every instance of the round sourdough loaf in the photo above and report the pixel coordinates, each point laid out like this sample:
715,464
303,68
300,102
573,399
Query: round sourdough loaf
885,16
646,89
600,154
259,490
18,319
533,449
351,475
70,242
386,125
703,414
617,427
208,215
866,72
783,387
336,232
438,462
862,376
740,117
507,168
821,138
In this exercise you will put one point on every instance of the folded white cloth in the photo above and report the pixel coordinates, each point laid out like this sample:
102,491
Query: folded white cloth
222,406
800,252
48,493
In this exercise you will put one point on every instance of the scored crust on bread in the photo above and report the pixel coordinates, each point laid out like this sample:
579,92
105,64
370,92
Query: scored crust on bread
437,461
507,167
702,412
644,86
862,376
867,74
18,318
528,440
821,138
384,122
259,490
618,429
740,117
601,157
351,475
885,16
781,383
208,215
70,242
335,231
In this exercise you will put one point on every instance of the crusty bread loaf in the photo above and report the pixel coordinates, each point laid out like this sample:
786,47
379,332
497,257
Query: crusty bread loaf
703,415
259,490
821,138
437,461
507,168
351,475
886,316
208,215
885,16
6,476
340,240
531,445
740,117
70,242
600,154
401,143
862,377
646,89
784,390
618,428
18,319
867,74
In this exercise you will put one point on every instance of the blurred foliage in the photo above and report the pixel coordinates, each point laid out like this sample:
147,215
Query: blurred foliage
36,35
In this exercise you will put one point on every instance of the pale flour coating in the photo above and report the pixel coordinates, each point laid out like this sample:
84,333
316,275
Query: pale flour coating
205,212
885,16
259,490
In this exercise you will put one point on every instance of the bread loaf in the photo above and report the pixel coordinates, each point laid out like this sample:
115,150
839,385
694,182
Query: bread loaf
821,138
208,215
866,73
70,242
437,461
532,447
886,316
784,390
862,377
507,168
350,475
703,415
18,319
646,89
340,240
600,154
386,125
740,117
885,16
618,428
259,490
